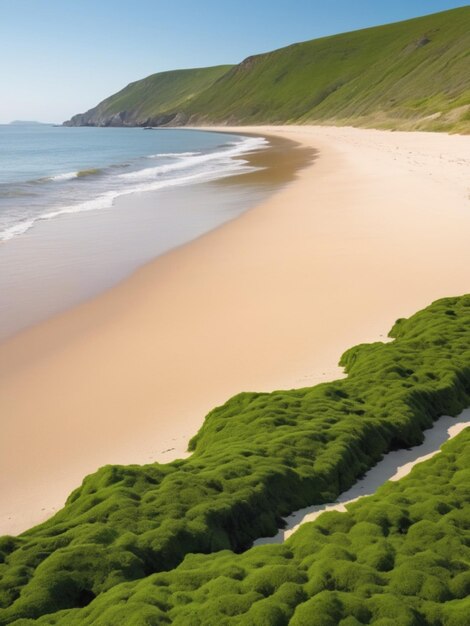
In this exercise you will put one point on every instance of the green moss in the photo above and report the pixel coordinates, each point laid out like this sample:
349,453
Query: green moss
126,524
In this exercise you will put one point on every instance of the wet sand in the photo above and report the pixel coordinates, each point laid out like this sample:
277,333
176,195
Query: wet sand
374,229
71,258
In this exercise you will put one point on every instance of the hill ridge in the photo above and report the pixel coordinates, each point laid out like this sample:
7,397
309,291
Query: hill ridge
410,75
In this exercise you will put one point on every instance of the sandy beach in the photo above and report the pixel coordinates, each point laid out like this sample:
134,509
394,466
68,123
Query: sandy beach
374,229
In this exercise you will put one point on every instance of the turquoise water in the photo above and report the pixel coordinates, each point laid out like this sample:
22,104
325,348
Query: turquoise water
48,171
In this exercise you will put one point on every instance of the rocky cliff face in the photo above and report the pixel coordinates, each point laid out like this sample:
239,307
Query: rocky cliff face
95,117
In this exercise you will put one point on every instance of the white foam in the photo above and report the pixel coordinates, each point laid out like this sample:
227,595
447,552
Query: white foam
17,229
214,165
107,199
65,176
189,162
172,154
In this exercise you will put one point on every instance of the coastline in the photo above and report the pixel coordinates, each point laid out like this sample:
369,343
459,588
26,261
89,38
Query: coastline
268,300
73,256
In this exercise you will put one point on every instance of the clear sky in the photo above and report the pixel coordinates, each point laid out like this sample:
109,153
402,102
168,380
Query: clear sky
60,57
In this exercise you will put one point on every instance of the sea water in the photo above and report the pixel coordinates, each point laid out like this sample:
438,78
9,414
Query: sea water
82,208
48,171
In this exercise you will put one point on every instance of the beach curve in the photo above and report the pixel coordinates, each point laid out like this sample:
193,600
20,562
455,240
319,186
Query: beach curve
270,300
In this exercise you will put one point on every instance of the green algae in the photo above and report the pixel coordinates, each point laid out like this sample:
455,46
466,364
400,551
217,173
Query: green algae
256,459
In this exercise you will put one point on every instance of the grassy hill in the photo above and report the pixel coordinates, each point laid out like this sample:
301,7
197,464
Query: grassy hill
255,460
152,100
411,74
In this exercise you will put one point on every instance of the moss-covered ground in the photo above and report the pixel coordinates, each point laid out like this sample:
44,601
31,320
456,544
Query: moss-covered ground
256,459
398,558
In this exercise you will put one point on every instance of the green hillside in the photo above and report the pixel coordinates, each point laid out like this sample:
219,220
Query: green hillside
255,460
391,74
413,74
152,100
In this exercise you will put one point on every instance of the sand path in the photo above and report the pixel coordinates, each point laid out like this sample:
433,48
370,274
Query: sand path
375,229
394,466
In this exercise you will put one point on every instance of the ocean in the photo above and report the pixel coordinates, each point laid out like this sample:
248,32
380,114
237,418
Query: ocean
83,208
48,171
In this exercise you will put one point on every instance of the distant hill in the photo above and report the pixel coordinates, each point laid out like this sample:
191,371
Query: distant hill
412,75
155,100
27,123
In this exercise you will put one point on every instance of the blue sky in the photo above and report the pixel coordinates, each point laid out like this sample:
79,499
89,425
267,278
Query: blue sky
60,57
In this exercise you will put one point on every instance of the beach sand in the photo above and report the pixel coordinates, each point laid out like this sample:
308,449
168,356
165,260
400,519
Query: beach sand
71,258
374,229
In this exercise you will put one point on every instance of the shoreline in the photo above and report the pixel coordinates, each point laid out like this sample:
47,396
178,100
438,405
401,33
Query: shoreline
373,230
73,257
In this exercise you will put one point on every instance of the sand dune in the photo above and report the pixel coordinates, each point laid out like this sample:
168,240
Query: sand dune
375,229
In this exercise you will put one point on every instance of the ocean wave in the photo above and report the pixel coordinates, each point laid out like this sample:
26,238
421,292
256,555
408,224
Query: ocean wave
106,200
172,154
189,162
59,177
17,229
93,171
192,167
16,193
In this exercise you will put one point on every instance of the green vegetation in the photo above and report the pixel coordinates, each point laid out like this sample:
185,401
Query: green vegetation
154,100
256,459
398,558
411,75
